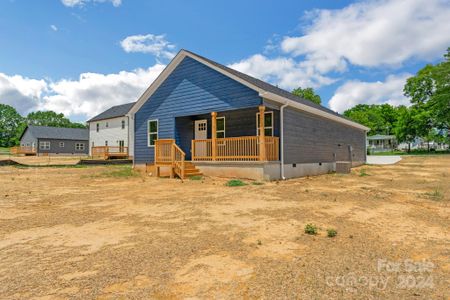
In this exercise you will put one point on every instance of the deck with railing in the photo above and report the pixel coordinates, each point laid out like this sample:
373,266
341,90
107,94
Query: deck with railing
244,148
107,152
26,150
168,154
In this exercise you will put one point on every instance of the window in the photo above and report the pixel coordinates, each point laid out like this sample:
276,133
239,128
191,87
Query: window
61,144
79,146
98,127
44,145
268,123
123,124
107,124
152,132
220,127
106,143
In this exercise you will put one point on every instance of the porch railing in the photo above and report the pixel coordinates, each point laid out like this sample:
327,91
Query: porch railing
167,153
244,148
23,150
109,151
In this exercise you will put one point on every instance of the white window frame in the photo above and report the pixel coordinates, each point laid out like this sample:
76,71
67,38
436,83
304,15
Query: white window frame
44,145
61,144
224,127
148,131
123,124
79,146
265,127
97,128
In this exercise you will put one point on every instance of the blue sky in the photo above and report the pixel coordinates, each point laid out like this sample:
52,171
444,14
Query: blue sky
81,56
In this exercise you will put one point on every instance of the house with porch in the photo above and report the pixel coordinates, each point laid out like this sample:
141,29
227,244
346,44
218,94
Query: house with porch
381,143
201,117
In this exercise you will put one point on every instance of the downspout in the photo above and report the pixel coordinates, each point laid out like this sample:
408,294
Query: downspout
282,140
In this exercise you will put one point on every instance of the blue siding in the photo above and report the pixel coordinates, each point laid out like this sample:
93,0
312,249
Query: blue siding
191,89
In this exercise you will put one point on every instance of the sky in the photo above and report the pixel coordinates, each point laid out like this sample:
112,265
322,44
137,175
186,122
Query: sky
80,57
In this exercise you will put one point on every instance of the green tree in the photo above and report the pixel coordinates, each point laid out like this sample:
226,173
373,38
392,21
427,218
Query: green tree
381,119
51,118
429,90
11,126
307,94
405,129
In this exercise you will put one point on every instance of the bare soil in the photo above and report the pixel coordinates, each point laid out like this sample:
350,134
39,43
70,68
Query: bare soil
102,233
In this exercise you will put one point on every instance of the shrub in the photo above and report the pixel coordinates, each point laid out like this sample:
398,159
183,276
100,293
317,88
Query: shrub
196,177
235,182
311,229
331,232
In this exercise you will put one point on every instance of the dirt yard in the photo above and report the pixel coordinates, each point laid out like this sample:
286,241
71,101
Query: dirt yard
107,233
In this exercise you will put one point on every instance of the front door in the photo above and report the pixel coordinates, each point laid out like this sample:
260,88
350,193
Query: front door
200,133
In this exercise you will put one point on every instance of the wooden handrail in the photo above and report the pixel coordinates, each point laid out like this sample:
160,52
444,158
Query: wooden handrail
178,160
23,150
107,151
244,148
167,153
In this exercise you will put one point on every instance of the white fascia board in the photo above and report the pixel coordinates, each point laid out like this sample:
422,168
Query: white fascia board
311,110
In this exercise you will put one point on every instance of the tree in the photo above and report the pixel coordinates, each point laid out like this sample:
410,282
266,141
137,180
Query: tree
381,119
11,126
430,90
51,118
307,94
405,129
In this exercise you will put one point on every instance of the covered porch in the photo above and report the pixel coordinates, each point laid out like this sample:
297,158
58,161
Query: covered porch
240,137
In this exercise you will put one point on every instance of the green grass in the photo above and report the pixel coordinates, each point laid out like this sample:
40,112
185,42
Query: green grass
331,232
196,177
435,195
257,183
363,173
311,229
4,150
51,166
115,172
412,152
235,182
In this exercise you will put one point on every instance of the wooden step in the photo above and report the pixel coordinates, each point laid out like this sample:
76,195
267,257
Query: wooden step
191,171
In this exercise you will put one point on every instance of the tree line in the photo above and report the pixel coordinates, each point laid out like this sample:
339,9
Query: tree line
12,124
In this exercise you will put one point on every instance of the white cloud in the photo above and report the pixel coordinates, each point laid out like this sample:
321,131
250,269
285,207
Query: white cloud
355,92
149,43
372,34
20,92
283,71
53,27
79,3
85,97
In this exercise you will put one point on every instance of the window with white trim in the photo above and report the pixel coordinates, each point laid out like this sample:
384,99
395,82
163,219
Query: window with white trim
44,145
98,127
61,144
152,130
79,146
268,123
123,124
220,127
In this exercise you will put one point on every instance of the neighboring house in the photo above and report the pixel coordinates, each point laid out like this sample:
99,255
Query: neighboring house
44,140
110,131
420,144
226,123
381,143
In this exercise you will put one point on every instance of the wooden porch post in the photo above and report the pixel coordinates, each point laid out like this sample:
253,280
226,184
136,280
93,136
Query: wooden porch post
262,138
213,135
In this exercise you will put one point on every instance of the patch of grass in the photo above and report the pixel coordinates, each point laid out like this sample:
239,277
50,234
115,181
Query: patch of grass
436,195
257,183
412,152
51,166
331,232
116,172
311,229
363,173
196,177
235,182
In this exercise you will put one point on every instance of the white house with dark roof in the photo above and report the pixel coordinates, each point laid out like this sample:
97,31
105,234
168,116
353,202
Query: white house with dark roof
111,129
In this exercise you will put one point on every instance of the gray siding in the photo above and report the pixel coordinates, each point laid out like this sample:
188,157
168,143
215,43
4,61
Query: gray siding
69,147
312,139
28,139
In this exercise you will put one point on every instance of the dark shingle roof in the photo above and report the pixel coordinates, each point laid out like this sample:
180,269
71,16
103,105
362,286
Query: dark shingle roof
59,133
267,86
113,112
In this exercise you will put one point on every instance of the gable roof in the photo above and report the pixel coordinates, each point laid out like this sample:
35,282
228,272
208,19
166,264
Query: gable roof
113,112
59,133
381,137
265,90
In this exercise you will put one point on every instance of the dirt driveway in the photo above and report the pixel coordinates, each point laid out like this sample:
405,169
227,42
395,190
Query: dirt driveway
106,233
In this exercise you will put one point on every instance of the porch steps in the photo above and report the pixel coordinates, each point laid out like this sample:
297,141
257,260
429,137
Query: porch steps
191,170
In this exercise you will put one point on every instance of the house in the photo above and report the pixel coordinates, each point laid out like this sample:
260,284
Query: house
381,143
44,140
200,116
109,133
